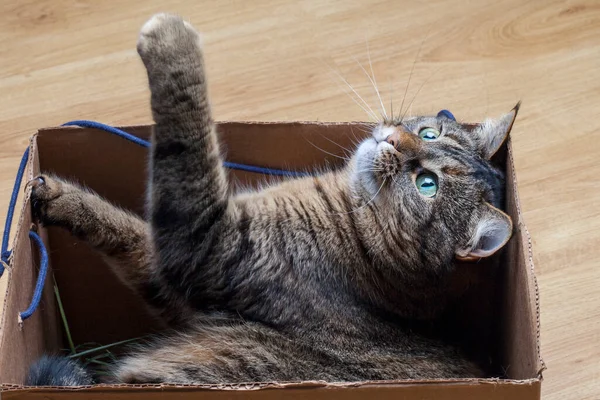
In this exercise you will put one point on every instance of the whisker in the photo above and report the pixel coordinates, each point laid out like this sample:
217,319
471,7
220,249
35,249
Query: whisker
369,113
367,203
418,91
392,99
364,130
374,80
327,152
366,106
382,110
412,69
355,137
368,126
351,211
337,144
369,170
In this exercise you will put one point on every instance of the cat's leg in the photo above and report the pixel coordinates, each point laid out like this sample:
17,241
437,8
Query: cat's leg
190,208
121,237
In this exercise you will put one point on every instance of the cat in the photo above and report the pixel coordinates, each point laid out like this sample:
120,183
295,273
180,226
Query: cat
310,279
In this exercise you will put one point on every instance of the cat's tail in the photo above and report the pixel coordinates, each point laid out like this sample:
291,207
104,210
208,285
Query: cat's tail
58,371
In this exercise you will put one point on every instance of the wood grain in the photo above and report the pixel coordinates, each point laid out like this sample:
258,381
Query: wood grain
278,60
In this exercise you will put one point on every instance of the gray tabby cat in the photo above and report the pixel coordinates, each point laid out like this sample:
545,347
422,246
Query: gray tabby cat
311,279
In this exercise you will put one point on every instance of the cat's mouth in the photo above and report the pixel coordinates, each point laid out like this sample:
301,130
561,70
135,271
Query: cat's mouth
374,164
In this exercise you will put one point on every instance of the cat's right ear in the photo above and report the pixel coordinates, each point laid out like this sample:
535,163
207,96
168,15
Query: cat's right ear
493,132
488,235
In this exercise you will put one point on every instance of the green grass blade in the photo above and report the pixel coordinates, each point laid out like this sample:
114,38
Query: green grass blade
97,349
63,316
105,364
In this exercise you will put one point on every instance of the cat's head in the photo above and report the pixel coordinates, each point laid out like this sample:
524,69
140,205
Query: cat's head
430,180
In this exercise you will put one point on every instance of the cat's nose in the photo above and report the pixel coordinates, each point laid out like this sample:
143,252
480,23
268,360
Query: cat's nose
394,139
404,141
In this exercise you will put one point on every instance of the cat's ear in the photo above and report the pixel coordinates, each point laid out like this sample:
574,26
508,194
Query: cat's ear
493,132
488,235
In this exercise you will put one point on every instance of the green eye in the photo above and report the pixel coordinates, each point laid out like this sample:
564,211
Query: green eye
427,184
429,134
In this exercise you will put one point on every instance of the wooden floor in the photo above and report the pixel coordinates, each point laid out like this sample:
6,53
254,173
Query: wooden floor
276,60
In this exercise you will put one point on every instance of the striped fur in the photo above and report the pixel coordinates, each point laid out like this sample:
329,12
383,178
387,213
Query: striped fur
314,278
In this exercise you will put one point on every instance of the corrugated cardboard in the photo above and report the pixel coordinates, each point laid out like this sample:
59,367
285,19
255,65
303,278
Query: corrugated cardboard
100,309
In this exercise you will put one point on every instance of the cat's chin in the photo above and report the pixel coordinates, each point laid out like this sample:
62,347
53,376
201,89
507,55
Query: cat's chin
364,177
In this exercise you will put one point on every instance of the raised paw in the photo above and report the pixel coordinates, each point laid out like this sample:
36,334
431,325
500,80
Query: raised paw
167,38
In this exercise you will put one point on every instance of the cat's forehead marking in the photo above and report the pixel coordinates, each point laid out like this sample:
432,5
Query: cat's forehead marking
453,170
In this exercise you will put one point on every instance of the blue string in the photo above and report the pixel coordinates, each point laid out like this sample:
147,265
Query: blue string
447,114
108,128
11,210
39,285
145,143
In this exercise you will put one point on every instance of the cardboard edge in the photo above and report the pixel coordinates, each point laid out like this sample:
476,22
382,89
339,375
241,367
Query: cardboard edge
534,298
27,176
135,128
267,123
277,385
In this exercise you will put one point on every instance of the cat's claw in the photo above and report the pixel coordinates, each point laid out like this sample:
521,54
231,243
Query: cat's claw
44,190
35,182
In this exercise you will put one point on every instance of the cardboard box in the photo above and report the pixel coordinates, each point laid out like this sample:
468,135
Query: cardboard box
102,310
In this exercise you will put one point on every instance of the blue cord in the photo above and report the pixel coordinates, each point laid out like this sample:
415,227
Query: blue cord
107,128
11,210
39,285
145,143
447,114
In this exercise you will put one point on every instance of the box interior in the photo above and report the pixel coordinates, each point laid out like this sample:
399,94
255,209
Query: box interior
496,319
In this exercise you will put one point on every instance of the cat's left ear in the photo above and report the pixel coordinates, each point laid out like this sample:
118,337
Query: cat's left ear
493,132
488,235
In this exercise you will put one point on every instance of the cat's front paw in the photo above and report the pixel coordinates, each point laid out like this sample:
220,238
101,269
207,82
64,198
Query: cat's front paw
45,191
166,38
